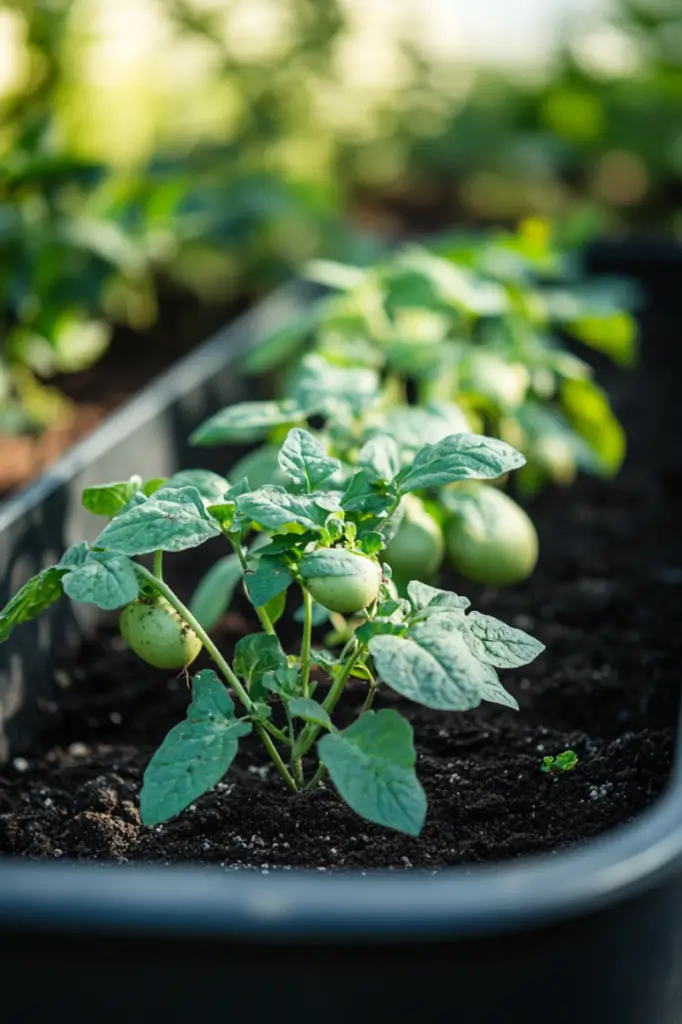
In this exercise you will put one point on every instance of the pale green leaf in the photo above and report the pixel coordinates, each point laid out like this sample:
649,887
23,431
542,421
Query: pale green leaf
432,665
459,457
106,579
305,461
195,754
372,764
172,520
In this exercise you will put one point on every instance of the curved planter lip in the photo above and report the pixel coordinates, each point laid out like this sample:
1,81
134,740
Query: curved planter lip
463,901
198,902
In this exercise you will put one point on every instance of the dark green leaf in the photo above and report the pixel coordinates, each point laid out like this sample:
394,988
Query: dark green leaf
270,577
256,654
34,597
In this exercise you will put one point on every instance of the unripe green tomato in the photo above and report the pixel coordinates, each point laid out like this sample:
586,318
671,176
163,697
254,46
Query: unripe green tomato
502,549
555,457
417,549
157,634
342,581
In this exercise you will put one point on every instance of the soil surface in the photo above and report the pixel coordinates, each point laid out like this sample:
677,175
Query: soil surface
605,600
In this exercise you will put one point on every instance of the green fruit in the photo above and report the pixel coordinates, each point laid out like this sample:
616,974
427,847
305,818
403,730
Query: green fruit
493,541
416,551
342,581
158,634
554,455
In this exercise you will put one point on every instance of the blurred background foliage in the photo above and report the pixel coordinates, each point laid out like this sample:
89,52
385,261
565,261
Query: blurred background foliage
211,146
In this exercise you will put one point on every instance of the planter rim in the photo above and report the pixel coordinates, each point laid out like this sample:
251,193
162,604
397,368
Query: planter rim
196,902
201,902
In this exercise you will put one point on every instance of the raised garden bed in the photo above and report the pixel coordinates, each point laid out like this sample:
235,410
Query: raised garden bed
604,602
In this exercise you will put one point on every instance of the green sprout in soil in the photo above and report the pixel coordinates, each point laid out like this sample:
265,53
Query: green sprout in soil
322,537
565,762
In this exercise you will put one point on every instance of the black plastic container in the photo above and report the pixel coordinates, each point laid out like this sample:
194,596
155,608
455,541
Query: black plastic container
589,935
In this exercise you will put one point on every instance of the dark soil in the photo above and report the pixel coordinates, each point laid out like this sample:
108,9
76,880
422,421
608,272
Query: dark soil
606,602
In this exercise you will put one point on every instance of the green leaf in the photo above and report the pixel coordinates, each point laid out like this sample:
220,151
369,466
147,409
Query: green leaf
412,427
249,421
614,334
372,764
74,556
254,655
34,597
459,457
282,345
588,411
270,577
303,458
150,487
365,494
109,499
273,508
310,711
498,644
274,608
432,665
423,596
172,520
106,579
213,596
565,762
380,458
321,385
260,467
208,484
195,754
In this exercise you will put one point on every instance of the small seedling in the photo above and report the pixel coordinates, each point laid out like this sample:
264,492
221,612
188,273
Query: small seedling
565,762
324,536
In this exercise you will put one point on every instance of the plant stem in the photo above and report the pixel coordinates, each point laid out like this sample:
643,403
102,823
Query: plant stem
158,565
263,616
306,642
186,614
311,732
279,763
369,698
317,777
296,762
229,675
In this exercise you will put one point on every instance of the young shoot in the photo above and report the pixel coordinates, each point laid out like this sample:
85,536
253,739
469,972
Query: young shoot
322,537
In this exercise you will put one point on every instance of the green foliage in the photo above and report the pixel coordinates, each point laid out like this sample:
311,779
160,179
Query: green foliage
328,545
565,762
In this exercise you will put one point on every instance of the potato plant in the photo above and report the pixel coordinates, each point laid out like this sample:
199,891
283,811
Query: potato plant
426,344
324,536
